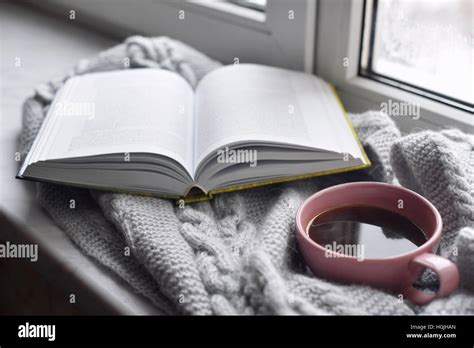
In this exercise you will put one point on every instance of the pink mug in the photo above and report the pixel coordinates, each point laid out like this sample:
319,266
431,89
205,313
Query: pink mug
397,273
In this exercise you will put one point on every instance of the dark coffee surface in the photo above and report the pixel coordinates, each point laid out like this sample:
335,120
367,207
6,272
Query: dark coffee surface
377,232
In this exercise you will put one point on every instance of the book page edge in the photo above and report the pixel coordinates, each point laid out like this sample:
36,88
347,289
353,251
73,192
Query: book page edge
349,123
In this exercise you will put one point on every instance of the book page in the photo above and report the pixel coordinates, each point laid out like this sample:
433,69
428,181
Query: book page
142,110
252,103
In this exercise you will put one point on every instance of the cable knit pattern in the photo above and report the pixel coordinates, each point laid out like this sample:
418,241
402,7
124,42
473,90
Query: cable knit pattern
377,134
237,254
86,226
151,229
440,167
465,257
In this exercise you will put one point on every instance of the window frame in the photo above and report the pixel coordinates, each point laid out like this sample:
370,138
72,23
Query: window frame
249,5
340,39
264,37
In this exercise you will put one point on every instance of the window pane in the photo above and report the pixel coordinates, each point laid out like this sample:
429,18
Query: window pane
426,43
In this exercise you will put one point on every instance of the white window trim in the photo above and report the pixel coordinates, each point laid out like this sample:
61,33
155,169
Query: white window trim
339,38
225,11
265,38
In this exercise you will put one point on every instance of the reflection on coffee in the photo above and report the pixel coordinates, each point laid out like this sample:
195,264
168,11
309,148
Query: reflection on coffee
372,231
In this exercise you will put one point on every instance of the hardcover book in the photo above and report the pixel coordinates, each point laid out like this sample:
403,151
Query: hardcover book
148,131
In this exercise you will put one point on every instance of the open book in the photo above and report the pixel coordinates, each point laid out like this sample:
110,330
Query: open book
148,131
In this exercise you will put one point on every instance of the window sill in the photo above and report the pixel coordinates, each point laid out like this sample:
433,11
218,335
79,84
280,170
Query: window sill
433,114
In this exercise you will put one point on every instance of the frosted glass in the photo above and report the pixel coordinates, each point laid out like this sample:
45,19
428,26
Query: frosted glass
428,44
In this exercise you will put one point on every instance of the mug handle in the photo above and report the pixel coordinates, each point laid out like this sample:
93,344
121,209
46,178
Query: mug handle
446,270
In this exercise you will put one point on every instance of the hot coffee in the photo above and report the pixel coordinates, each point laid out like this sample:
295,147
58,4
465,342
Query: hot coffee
365,231
396,245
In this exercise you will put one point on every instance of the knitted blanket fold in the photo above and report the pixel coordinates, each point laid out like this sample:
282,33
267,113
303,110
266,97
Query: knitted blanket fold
237,254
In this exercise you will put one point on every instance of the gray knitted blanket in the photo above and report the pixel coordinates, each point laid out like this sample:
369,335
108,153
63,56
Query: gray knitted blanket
237,253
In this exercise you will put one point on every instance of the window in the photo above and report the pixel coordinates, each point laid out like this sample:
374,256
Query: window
374,52
422,46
